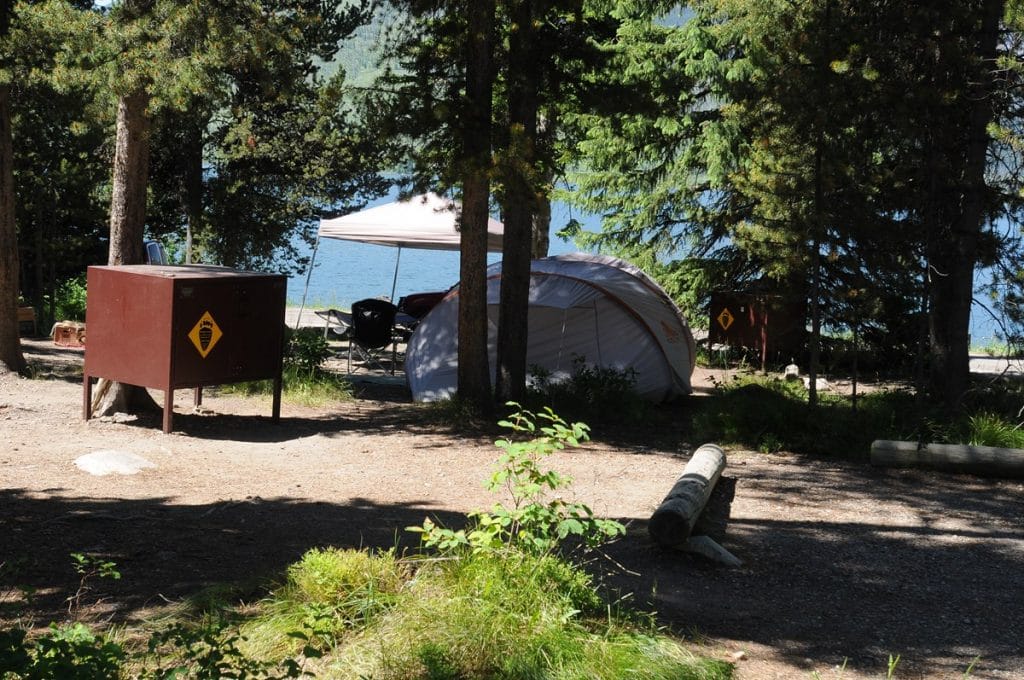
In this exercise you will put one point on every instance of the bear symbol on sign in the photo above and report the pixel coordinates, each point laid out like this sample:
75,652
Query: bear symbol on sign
725,319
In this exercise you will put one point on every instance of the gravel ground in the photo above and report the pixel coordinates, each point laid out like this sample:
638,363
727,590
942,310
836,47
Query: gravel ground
841,560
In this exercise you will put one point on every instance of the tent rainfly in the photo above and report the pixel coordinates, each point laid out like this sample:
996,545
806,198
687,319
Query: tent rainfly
601,308
426,221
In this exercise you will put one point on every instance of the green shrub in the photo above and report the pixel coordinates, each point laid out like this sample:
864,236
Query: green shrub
603,393
69,300
990,429
68,652
533,523
306,350
299,387
304,379
772,415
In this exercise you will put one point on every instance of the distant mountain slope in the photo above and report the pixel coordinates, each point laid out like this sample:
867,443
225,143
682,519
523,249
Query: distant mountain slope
360,55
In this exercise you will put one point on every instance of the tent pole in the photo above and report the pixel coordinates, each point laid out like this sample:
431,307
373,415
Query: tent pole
305,291
394,281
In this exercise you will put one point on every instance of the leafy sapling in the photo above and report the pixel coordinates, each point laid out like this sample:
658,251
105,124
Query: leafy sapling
88,567
534,522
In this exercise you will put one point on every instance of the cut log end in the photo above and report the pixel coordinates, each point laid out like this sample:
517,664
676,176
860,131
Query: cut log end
673,521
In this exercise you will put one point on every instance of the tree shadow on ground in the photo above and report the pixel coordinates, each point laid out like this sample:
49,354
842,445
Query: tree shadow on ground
938,582
166,551
216,421
936,593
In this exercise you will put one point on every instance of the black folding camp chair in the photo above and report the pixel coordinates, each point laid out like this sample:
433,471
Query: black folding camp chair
373,329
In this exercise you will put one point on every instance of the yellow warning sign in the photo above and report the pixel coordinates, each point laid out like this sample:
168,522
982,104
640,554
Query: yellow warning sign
725,319
205,334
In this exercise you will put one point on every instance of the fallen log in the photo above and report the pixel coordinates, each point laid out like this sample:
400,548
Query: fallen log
988,461
673,521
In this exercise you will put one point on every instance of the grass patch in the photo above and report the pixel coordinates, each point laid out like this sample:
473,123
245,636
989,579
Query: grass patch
596,393
772,415
996,347
313,389
519,616
329,593
304,380
991,429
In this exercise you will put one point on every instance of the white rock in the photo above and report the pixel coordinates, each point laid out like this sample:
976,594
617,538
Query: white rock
821,384
107,462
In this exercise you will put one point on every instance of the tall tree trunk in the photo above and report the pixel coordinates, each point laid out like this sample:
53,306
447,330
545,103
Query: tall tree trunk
547,124
520,208
192,183
131,176
474,377
127,226
953,247
11,358
541,230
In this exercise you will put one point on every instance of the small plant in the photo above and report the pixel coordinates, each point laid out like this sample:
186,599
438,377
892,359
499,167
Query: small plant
890,671
211,652
71,653
990,429
533,523
307,350
304,379
602,392
770,443
88,568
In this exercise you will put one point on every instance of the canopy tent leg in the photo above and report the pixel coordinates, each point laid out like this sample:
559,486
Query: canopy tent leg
394,281
309,274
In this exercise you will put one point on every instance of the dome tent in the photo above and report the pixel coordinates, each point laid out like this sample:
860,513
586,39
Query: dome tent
597,307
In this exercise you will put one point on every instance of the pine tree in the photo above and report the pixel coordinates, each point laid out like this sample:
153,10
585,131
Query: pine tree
11,358
838,144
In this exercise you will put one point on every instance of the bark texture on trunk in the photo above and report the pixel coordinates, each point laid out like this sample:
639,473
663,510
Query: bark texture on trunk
541,230
474,378
11,358
127,228
520,208
192,184
131,176
953,245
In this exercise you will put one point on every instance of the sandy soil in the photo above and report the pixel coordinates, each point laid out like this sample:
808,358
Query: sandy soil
841,561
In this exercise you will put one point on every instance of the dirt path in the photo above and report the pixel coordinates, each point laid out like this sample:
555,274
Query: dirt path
841,560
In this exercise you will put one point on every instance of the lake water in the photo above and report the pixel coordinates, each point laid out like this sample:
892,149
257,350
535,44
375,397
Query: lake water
345,271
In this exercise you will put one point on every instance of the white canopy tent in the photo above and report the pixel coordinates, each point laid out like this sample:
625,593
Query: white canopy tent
426,221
